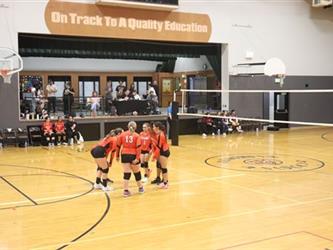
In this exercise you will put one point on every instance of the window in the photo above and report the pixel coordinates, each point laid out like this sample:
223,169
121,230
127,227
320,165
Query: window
141,84
115,81
59,82
88,84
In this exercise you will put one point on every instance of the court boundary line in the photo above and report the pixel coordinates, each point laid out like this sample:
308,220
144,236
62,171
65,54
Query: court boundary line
324,138
261,240
18,190
274,237
319,236
163,227
67,197
66,244
108,205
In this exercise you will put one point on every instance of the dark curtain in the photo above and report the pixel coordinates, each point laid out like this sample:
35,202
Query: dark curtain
215,62
169,66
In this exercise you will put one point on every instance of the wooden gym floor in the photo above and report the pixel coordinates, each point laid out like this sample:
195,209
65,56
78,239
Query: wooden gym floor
271,190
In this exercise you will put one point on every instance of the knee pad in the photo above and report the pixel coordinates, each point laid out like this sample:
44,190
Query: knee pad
143,165
127,176
137,176
146,165
158,165
164,170
105,170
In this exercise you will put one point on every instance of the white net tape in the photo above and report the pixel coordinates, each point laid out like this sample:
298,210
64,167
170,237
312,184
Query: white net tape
185,92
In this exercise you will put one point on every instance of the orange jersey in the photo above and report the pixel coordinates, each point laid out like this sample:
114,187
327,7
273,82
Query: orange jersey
47,127
109,143
160,144
59,127
145,141
130,143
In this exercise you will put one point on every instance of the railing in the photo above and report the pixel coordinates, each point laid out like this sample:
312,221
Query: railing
39,108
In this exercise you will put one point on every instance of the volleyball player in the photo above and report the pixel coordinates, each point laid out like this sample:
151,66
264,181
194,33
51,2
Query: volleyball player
101,152
47,128
161,152
59,128
146,147
158,179
129,144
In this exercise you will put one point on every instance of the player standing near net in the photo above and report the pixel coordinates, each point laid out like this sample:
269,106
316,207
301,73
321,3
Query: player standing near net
129,145
158,179
146,147
105,149
161,152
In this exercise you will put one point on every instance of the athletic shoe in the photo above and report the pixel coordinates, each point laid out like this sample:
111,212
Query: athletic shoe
156,181
106,189
141,190
213,134
64,143
163,185
144,180
126,193
98,186
204,135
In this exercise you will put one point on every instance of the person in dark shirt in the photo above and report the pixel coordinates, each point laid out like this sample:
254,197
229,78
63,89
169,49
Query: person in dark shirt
68,98
72,132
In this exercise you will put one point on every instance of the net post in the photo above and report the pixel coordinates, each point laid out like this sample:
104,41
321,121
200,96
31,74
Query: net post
174,124
183,94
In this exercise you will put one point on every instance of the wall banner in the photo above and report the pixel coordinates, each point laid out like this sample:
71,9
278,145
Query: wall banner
80,19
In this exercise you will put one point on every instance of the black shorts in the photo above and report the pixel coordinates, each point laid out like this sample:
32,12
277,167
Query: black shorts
98,152
143,152
165,153
127,158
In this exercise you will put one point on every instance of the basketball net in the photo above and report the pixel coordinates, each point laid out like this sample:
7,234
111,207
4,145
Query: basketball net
5,75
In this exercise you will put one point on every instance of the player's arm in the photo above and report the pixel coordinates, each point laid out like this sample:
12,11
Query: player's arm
138,149
119,139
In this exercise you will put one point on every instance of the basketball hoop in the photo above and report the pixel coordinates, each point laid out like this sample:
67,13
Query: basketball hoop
275,67
10,63
4,73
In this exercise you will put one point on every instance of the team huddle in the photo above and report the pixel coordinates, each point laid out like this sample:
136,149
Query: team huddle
133,150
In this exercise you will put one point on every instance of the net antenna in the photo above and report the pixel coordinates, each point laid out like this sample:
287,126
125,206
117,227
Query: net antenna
276,68
10,63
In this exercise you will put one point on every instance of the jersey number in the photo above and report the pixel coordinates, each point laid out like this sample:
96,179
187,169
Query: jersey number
129,139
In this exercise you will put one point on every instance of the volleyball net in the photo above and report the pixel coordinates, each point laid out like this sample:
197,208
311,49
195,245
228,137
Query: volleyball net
281,108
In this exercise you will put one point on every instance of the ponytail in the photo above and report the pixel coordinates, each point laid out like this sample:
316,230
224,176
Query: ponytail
132,126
